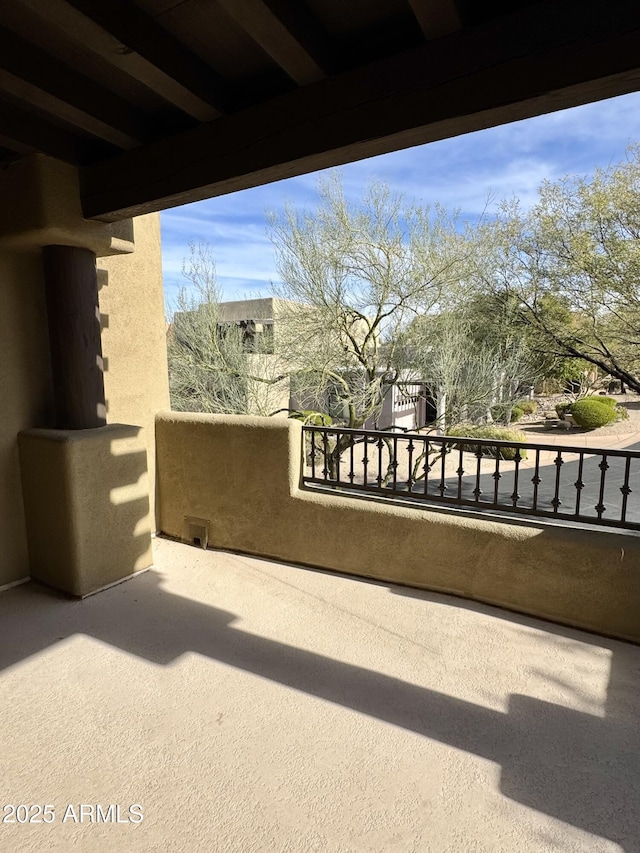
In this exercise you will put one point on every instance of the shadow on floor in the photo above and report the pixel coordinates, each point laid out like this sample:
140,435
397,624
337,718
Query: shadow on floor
579,768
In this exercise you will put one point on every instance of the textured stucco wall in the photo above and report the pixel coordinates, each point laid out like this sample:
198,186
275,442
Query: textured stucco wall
134,335
25,393
242,474
42,208
86,495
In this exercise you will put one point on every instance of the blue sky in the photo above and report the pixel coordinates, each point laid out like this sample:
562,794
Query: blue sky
459,173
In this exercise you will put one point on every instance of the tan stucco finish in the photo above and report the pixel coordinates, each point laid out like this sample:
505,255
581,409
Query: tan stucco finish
134,341
45,210
242,474
86,505
25,393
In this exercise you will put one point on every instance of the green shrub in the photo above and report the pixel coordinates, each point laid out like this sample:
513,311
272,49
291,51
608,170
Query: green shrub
499,412
621,413
607,401
529,407
591,413
499,433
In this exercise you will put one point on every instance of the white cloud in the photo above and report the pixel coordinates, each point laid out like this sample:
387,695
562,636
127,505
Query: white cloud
460,173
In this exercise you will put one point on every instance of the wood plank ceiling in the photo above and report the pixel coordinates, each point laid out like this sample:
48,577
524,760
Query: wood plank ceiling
160,102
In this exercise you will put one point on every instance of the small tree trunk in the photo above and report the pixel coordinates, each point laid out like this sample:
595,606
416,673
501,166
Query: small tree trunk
441,414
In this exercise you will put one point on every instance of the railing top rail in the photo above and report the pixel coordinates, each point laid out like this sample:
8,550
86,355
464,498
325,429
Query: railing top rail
480,442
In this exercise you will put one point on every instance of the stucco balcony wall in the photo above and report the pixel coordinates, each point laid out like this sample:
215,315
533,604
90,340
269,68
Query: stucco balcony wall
242,477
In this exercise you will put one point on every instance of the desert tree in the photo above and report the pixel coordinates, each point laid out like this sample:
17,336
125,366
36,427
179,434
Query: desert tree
475,374
355,275
572,263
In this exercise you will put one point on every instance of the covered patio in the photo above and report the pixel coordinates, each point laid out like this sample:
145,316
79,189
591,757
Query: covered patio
251,705
120,110
248,705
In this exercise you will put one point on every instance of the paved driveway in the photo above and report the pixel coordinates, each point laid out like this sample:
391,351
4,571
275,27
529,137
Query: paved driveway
570,472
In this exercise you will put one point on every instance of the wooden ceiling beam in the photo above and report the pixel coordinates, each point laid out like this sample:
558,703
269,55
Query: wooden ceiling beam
22,61
59,111
277,28
437,18
98,41
27,134
141,33
544,57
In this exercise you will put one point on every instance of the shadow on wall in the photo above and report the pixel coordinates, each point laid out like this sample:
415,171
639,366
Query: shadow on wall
577,767
128,501
86,496
26,395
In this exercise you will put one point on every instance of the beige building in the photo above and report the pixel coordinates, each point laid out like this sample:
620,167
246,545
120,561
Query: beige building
264,387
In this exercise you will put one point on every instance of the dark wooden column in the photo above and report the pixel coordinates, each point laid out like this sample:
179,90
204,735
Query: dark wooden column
74,331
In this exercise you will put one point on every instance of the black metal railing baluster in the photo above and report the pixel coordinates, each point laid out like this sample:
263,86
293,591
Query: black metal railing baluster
600,508
556,502
313,455
365,461
395,463
515,497
338,457
352,473
427,467
536,481
379,478
460,473
477,490
579,484
442,488
626,491
325,443
496,478
410,479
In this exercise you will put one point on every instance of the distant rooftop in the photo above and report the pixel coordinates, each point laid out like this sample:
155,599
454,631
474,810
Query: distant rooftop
266,308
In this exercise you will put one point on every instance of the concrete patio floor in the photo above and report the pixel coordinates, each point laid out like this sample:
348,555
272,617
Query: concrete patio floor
252,706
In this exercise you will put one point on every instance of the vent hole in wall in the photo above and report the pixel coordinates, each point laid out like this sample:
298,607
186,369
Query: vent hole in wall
196,532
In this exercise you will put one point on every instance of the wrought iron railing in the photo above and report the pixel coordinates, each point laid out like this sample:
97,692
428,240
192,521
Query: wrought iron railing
592,485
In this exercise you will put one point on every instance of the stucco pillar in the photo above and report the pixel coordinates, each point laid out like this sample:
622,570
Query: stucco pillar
86,498
82,520
74,333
